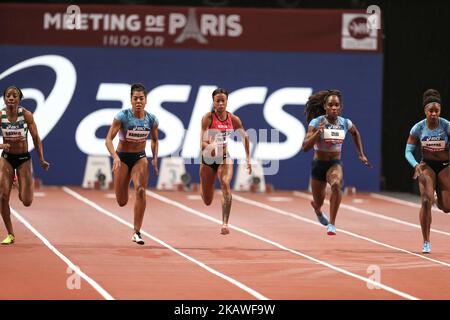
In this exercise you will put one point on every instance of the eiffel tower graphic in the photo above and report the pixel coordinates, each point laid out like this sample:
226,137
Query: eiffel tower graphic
191,31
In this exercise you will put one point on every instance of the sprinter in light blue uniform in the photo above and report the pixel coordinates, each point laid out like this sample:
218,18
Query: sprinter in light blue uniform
326,133
130,161
433,171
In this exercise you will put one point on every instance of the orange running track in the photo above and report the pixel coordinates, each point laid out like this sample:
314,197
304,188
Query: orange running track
276,249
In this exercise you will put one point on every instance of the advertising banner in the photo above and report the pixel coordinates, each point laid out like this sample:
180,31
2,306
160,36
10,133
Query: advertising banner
75,81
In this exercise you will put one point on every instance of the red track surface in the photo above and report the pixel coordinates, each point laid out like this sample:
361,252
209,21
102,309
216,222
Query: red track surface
101,247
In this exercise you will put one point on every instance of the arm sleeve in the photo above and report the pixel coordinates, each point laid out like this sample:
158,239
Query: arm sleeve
409,155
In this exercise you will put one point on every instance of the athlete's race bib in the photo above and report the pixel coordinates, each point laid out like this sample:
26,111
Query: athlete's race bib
334,135
433,145
137,134
12,133
219,137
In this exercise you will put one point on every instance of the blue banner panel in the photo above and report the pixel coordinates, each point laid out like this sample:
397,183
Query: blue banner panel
75,92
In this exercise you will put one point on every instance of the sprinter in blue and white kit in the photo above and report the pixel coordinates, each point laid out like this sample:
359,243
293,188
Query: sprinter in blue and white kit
433,171
326,133
130,161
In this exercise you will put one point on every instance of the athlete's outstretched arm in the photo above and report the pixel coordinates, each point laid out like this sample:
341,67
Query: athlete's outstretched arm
358,143
154,145
237,125
115,127
36,139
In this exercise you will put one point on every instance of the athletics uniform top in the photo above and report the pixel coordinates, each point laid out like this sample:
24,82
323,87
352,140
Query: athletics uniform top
133,129
16,130
219,131
333,134
432,140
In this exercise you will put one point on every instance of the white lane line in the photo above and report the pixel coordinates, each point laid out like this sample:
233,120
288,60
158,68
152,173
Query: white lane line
279,199
278,245
371,213
403,202
194,197
238,284
69,263
295,216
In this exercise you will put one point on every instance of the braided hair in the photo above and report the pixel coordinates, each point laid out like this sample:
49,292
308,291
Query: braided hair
315,106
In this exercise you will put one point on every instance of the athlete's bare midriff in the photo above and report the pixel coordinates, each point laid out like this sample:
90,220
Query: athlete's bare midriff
326,156
436,156
16,147
125,146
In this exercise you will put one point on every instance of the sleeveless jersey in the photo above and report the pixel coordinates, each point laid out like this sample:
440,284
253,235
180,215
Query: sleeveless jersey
133,129
219,131
432,140
17,130
333,135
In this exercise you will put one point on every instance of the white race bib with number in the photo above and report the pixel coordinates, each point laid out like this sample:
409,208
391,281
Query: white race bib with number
14,134
434,145
137,135
334,135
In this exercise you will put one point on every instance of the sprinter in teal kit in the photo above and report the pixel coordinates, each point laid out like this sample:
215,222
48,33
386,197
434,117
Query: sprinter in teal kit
433,171
130,161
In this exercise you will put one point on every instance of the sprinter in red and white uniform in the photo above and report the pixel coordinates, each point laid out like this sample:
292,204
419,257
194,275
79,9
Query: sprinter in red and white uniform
217,126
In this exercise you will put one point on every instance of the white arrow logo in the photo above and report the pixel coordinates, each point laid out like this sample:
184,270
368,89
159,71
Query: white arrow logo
48,111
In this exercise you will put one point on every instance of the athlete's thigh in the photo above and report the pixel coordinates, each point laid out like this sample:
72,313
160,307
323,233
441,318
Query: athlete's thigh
444,185
427,182
207,178
121,181
444,179
335,171
140,173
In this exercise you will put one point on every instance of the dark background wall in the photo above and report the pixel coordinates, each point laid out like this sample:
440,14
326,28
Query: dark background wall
416,57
